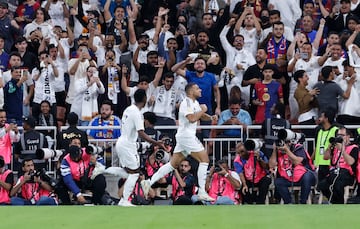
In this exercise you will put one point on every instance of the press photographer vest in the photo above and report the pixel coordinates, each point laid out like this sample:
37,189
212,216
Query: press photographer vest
4,194
249,169
152,168
32,190
287,170
338,158
221,186
322,141
177,190
78,169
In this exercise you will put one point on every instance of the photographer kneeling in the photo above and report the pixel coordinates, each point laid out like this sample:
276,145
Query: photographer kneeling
31,188
343,156
294,167
78,175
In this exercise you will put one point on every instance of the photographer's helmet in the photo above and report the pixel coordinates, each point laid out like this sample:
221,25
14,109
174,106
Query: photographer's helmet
75,153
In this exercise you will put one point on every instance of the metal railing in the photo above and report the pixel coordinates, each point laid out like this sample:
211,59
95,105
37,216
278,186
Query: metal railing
217,148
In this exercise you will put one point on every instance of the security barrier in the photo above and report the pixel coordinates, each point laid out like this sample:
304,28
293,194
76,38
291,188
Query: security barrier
218,147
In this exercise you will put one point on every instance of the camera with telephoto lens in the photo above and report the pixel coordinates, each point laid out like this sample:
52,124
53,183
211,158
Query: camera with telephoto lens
334,140
46,153
285,135
253,144
162,156
94,150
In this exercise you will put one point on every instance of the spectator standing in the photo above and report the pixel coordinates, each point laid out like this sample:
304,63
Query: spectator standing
290,10
44,77
86,96
306,100
8,26
266,93
166,101
8,134
330,90
238,59
13,95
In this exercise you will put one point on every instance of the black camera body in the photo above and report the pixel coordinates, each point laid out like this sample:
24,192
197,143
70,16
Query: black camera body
42,174
217,168
168,142
334,140
279,142
34,173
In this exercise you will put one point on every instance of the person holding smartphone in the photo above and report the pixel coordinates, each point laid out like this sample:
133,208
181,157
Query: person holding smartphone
87,90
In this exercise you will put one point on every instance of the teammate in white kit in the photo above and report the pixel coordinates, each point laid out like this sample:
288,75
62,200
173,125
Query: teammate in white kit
190,112
132,127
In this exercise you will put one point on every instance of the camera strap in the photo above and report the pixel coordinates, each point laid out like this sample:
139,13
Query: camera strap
336,163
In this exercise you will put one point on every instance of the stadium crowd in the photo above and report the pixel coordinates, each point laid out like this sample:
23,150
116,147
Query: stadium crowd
272,63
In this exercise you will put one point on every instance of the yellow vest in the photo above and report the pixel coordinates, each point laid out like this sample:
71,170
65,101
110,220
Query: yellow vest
322,143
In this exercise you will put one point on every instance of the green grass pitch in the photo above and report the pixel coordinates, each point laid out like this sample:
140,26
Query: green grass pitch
182,217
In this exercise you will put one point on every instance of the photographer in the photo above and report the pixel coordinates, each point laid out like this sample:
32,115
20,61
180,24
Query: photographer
6,182
343,156
137,197
79,173
252,165
222,184
294,168
183,184
157,157
31,189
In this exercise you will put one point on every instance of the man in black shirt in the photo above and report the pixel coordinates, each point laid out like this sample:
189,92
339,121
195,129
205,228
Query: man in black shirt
65,136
